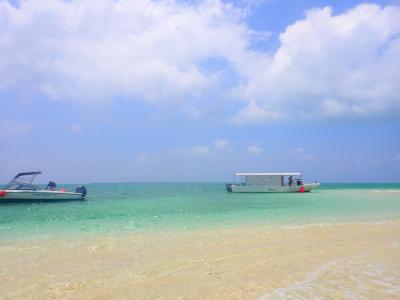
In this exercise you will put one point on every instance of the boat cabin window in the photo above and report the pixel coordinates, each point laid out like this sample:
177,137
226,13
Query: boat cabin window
285,179
264,180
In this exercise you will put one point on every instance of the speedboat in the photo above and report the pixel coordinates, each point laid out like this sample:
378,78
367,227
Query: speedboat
21,189
269,183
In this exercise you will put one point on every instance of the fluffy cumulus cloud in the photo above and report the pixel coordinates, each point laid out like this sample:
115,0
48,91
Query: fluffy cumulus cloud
326,65
253,113
99,50
222,144
333,65
255,150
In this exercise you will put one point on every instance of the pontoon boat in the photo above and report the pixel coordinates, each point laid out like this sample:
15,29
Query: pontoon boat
269,183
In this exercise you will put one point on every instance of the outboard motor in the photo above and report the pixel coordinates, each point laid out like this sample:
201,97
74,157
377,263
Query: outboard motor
228,187
81,189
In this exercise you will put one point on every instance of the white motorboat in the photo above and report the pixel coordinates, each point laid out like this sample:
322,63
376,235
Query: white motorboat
269,183
21,189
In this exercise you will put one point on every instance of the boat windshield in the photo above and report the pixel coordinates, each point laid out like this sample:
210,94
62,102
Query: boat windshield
23,181
21,186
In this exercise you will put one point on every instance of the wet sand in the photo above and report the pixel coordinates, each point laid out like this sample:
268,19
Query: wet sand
337,261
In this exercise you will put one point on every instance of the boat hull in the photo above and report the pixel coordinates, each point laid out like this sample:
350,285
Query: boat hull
272,189
40,195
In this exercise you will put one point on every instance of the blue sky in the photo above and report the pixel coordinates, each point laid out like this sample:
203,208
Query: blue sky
111,91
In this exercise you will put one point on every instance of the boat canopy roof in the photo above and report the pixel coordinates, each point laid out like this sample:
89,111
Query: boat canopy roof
28,173
268,174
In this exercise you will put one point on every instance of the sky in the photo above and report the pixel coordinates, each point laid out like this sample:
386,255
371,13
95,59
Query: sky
126,91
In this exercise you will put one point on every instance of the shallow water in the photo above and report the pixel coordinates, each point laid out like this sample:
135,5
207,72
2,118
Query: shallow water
196,241
114,208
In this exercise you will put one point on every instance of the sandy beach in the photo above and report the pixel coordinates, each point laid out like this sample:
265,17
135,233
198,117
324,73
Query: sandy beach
331,261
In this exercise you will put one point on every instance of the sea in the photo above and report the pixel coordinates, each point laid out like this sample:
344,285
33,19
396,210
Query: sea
194,240
112,208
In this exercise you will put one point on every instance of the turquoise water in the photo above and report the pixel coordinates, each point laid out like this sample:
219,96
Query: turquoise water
116,208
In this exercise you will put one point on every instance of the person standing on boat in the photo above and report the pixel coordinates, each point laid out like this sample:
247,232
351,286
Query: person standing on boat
290,180
51,186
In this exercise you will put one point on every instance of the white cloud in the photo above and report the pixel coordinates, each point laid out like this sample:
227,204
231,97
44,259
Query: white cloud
332,107
253,113
199,150
255,150
86,51
90,51
222,144
333,66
